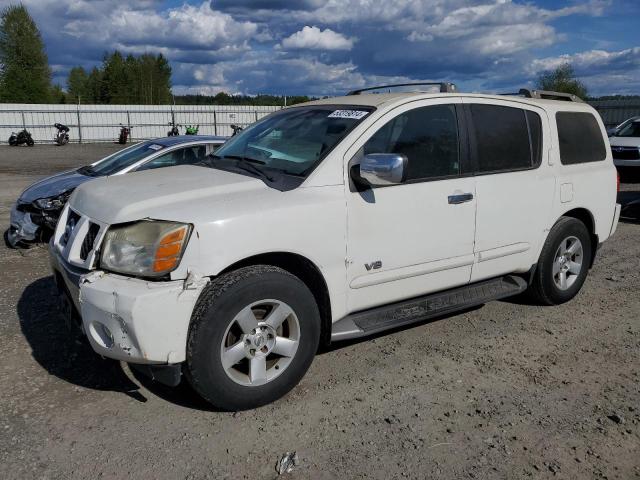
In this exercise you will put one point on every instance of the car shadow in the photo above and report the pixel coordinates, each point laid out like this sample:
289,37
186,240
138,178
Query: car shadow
630,201
63,354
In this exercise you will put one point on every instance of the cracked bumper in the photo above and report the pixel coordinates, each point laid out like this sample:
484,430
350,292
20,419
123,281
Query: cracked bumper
130,319
21,227
134,320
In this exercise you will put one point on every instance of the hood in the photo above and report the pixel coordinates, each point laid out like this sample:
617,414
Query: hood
53,186
164,193
624,141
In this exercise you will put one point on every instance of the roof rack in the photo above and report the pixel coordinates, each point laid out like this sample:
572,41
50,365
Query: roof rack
445,87
548,95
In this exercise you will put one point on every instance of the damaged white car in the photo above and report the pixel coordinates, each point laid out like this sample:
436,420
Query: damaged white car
36,212
333,220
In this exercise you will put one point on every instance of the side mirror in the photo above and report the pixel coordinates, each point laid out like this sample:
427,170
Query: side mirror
382,169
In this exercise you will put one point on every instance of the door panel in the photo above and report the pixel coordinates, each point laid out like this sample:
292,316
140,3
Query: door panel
512,206
414,238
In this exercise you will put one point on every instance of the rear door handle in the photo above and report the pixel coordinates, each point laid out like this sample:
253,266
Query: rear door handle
460,198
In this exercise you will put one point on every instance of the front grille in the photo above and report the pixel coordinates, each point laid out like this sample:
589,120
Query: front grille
72,220
626,153
89,240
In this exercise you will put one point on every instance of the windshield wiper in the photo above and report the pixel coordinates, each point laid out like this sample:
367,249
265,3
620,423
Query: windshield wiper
246,164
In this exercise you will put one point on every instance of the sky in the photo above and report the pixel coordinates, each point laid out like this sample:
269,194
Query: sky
327,47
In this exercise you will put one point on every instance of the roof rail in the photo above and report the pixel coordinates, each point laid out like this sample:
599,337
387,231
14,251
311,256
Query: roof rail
445,87
548,95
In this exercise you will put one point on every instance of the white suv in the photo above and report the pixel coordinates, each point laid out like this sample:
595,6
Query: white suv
332,220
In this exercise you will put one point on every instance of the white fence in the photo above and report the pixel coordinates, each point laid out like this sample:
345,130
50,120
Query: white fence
101,123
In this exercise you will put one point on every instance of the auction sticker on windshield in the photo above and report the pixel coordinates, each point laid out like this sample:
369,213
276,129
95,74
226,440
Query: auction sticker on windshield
353,114
155,146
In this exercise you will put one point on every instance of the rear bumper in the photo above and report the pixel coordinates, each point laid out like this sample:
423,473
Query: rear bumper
130,319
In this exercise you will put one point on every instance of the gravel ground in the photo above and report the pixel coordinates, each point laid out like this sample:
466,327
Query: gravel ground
504,391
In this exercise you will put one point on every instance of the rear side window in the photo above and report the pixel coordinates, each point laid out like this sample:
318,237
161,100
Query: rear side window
507,138
535,135
580,138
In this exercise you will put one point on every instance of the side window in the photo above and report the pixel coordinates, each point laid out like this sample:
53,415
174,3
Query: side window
580,138
428,136
502,137
535,135
180,156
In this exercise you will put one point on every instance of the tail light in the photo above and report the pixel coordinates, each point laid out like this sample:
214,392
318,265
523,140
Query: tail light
617,181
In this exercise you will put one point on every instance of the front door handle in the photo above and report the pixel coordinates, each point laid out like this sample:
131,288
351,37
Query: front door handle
460,198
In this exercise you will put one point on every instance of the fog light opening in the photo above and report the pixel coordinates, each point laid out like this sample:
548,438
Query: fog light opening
101,334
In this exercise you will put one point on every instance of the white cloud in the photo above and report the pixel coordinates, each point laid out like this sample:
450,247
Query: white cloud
184,27
312,38
592,60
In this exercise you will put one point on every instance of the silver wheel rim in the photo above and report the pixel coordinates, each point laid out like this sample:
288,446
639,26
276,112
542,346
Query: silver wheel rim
567,263
260,342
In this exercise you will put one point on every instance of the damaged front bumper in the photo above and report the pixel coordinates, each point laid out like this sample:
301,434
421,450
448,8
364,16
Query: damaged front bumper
26,223
22,228
129,319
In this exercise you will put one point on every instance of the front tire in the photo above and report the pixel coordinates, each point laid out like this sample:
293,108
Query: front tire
563,264
253,335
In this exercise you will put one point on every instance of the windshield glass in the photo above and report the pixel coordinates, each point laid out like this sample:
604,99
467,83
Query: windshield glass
631,130
123,159
293,141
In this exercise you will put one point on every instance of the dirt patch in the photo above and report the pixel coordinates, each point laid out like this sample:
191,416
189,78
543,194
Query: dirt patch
504,391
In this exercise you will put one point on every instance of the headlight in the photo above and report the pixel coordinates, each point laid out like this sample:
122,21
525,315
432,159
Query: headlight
148,248
52,203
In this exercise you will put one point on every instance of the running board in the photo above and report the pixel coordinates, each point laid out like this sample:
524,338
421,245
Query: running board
377,319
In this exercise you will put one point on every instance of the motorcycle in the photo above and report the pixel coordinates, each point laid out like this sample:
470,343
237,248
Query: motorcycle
124,134
21,137
174,132
191,130
236,130
62,137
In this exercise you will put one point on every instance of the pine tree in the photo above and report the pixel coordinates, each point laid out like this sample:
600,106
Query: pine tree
78,86
25,76
94,87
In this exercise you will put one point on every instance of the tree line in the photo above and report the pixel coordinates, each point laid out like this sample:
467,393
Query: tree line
142,80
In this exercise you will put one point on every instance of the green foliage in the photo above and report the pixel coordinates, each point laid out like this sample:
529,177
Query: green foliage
562,79
78,90
226,99
25,76
143,80
57,95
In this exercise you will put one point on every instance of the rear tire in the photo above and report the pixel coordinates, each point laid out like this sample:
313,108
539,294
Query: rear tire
253,335
563,264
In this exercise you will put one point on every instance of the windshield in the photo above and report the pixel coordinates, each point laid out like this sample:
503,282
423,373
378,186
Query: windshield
631,130
292,141
123,159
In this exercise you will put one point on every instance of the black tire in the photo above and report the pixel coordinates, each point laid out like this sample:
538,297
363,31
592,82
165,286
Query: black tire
13,141
216,308
30,142
543,288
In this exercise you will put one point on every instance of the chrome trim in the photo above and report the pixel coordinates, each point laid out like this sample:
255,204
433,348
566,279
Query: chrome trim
381,169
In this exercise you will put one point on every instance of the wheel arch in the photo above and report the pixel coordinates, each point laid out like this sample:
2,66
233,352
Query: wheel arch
305,270
587,218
